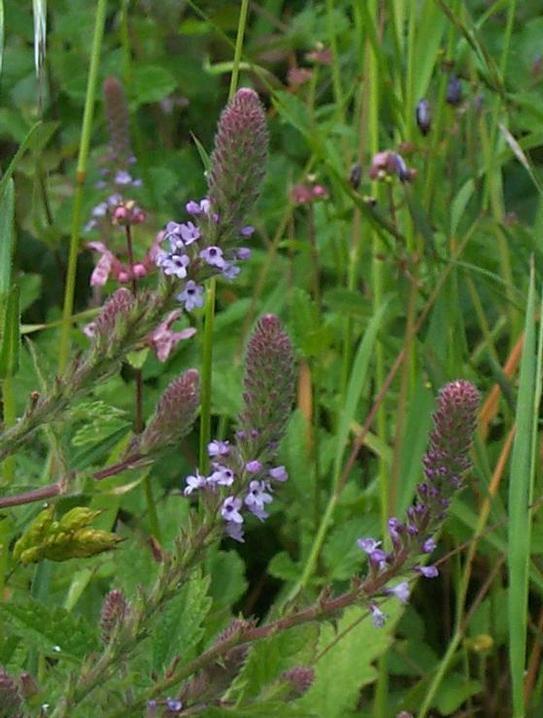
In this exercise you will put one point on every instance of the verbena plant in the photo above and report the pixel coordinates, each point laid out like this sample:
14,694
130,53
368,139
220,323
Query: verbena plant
193,520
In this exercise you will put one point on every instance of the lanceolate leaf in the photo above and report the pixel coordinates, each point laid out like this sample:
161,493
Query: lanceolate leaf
11,336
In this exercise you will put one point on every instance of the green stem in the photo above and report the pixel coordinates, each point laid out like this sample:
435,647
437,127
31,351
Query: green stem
209,318
206,376
80,181
10,418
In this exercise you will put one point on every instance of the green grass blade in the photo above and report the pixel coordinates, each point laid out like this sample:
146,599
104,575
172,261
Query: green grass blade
11,336
6,237
520,495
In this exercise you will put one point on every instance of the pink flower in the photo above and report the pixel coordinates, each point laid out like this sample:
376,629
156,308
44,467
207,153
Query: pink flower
107,264
162,339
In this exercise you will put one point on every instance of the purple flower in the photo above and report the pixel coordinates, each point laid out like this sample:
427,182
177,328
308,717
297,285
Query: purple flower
175,264
123,177
222,476
189,233
174,705
253,467
194,483
192,295
162,339
395,529
218,448
243,253
257,498
213,256
230,270
279,473
247,231
230,510
235,531
193,207
427,571
368,545
377,616
401,591
429,545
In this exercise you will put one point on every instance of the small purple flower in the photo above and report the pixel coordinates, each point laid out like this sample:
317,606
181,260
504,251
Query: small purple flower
189,233
194,483
230,270
395,529
243,253
427,571
123,177
368,545
174,705
193,207
192,295
253,467
213,256
222,476
230,510
175,264
279,473
429,545
100,210
377,616
235,531
247,231
401,591
257,498
218,448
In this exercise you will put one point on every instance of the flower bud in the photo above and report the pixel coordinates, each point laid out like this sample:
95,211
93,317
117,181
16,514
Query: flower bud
424,116
300,679
174,414
11,702
111,324
239,158
268,383
115,609
454,91
117,120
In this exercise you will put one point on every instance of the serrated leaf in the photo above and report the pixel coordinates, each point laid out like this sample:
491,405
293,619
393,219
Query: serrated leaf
50,629
180,626
228,582
270,657
283,567
346,666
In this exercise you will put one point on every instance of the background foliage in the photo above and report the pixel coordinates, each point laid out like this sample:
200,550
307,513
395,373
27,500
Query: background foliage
385,300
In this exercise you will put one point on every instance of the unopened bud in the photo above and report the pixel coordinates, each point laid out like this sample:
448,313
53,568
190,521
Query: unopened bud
454,91
115,609
174,415
28,684
238,163
268,383
300,679
424,116
11,702
355,175
117,119
111,324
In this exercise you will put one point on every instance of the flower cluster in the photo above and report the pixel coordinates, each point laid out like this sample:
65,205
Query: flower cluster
243,474
209,243
252,480
445,462
390,164
189,255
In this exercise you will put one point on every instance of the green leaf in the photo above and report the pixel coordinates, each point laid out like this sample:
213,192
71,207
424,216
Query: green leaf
11,336
270,657
151,83
180,625
521,482
264,709
50,629
454,690
228,582
346,666
283,567
7,205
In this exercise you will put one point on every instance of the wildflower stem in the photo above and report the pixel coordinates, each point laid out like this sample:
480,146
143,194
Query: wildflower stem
10,417
81,173
206,374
